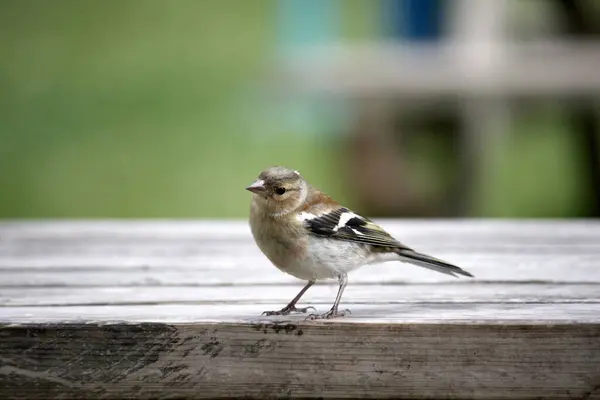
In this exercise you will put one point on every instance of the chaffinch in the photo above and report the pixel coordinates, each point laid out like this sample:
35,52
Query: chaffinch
308,235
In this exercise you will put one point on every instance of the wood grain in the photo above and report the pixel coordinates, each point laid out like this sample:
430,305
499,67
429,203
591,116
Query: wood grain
171,309
455,293
300,360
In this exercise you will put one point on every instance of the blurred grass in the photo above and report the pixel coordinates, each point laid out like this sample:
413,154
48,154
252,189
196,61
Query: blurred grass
128,109
538,170
140,108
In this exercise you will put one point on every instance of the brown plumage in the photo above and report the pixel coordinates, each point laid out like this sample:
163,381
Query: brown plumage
307,234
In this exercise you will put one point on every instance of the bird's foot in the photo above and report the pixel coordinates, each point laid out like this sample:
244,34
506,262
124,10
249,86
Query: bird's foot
329,314
288,310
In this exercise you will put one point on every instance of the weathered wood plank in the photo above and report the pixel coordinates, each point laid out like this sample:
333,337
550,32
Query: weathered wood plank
300,360
467,292
200,253
255,271
461,313
162,309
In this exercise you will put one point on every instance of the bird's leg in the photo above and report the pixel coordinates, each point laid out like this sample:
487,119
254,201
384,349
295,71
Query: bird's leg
291,307
343,280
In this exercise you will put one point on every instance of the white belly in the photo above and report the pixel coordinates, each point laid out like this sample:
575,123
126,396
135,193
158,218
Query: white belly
329,258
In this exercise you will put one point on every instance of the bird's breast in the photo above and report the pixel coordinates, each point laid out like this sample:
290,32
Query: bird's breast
279,241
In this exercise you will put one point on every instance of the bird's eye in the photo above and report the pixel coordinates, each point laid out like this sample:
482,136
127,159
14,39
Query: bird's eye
280,191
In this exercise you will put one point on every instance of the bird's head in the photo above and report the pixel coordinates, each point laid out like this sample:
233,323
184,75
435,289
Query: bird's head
279,190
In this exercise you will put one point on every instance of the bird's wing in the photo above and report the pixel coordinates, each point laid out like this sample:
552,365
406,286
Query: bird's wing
344,224
323,217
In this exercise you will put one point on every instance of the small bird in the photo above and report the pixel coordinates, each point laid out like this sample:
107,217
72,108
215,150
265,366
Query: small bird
308,235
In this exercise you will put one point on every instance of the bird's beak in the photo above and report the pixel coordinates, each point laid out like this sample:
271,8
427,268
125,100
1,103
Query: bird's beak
257,187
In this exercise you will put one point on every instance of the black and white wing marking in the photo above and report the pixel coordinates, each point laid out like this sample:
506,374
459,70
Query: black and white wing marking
344,224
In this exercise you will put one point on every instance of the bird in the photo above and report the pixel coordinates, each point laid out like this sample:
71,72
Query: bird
307,234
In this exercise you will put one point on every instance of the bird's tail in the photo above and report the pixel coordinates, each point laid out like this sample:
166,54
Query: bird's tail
428,262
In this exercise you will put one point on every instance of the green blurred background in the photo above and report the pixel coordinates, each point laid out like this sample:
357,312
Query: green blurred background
147,108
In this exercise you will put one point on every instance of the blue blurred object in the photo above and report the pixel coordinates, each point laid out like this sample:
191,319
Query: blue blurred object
304,23
307,22
414,20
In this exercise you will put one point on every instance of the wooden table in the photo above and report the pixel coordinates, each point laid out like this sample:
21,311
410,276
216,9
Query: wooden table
164,309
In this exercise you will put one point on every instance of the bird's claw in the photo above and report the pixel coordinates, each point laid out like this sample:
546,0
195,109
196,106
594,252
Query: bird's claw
329,314
288,310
